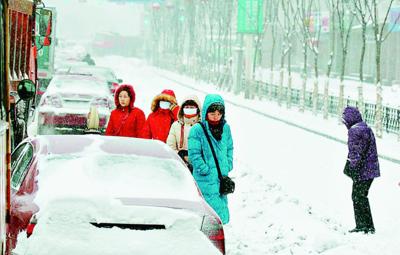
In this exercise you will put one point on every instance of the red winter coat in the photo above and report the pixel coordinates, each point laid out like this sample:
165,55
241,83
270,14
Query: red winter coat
160,120
126,121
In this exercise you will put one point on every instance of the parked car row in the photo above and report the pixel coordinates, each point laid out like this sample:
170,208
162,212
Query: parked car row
93,194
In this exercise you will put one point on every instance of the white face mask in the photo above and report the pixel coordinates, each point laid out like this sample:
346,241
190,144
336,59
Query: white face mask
165,104
190,111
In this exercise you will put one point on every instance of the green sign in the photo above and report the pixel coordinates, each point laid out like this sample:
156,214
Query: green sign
45,55
250,16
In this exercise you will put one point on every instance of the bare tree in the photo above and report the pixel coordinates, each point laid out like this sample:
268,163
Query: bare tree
312,32
258,47
361,11
285,47
380,36
274,23
157,42
288,26
345,22
332,29
190,14
203,53
303,25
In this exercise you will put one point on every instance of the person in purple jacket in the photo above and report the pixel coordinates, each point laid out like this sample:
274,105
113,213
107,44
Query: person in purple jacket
362,167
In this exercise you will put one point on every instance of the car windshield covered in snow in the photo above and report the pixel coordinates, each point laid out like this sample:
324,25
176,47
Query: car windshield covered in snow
78,83
101,72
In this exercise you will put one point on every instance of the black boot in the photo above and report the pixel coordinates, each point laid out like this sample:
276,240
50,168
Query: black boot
364,230
356,230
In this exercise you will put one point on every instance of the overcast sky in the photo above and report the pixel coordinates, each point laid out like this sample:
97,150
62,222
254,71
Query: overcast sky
81,19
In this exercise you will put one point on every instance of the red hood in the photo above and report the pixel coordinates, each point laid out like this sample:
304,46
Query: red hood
125,87
168,92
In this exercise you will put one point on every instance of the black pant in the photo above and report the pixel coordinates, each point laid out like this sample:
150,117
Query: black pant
362,210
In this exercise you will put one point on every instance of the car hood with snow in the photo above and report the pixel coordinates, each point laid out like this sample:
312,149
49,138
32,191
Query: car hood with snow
133,194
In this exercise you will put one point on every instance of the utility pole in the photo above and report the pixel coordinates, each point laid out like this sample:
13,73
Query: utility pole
248,63
238,68
250,22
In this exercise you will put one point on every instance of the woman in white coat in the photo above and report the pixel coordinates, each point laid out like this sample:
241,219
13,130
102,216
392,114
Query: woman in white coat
188,115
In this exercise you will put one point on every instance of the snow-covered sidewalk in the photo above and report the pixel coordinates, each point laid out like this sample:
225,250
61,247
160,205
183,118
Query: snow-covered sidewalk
388,147
291,197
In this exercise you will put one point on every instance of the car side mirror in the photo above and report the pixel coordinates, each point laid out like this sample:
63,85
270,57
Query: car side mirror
32,112
26,89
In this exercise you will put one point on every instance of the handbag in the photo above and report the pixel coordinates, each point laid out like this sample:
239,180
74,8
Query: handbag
226,184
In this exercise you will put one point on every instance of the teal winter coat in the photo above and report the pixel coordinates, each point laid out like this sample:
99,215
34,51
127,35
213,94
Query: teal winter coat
204,169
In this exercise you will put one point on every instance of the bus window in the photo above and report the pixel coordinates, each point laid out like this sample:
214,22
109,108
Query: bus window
2,67
25,47
18,46
13,31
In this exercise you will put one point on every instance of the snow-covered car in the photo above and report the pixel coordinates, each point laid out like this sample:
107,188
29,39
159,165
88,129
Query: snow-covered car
65,105
103,73
92,194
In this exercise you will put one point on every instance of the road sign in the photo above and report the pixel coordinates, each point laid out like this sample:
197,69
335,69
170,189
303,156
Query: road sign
394,19
250,16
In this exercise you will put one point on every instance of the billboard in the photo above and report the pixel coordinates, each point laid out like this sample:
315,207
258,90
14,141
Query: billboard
394,19
250,16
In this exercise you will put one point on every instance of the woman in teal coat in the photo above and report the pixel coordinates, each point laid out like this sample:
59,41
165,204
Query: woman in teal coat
200,155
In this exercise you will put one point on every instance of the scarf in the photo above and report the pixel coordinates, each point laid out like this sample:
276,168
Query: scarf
216,128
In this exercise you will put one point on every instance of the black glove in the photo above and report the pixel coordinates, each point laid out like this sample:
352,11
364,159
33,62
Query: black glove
351,172
182,154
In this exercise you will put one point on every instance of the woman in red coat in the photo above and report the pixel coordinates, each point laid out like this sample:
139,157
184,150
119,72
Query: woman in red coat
164,112
126,120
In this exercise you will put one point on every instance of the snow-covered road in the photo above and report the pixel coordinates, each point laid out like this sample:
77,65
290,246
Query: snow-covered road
291,196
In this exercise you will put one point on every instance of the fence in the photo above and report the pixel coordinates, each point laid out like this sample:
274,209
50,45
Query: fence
391,116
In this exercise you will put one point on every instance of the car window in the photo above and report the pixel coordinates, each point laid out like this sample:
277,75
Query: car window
21,159
16,154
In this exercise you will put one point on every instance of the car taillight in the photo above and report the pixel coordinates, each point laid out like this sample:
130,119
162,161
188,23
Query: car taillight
213,229
31,226
52,100
100,102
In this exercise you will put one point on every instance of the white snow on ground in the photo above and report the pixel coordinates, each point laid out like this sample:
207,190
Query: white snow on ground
291,197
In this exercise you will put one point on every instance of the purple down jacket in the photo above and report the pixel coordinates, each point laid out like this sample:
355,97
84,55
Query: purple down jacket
362,158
